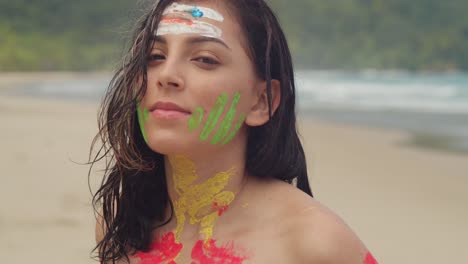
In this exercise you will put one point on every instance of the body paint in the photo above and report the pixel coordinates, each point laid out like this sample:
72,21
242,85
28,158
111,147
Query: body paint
177,27
220,208
146,115
143,117
198,203
370,259
196,119
197,199
176,8
239,124
214,116
177,20
226,124
213,119
163,251
184,19
209,253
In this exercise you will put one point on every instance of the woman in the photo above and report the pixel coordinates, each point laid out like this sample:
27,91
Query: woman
199,124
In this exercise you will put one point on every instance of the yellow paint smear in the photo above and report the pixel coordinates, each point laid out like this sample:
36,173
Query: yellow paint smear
196,200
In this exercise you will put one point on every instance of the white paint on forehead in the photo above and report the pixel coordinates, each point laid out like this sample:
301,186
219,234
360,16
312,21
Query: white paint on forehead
197,27
181,8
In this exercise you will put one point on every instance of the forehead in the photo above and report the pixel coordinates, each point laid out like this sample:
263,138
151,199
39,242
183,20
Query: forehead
212,13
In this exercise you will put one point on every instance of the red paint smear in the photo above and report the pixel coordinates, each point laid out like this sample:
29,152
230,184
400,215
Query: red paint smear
211,254
220,210
161,251
370,259
178,20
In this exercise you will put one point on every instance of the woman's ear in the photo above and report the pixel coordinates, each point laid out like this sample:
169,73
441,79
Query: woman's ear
259,114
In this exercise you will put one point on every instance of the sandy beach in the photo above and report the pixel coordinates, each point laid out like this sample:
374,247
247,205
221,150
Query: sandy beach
407,204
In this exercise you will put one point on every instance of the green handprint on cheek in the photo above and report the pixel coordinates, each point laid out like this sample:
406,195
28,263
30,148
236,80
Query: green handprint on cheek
213,118
143,117
226,124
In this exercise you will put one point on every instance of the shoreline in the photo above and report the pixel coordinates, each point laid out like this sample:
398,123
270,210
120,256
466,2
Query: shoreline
439,132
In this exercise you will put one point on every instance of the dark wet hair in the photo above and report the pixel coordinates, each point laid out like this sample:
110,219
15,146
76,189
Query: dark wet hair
133,196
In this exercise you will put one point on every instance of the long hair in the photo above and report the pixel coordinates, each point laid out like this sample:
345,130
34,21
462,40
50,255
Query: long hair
133,196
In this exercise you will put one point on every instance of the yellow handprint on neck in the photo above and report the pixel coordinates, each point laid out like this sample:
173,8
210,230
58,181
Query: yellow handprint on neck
197,200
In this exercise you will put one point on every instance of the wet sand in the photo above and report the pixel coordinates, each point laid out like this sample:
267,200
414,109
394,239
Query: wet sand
407,204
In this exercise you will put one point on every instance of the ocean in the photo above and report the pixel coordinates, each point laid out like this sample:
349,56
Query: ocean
432,106
387,91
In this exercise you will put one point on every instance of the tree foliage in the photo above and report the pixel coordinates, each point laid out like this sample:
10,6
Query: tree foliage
323,34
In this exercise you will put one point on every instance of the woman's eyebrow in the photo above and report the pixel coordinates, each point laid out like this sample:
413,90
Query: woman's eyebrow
201,39
194,40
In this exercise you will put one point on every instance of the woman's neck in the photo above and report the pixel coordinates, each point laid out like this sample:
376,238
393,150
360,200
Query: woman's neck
202,189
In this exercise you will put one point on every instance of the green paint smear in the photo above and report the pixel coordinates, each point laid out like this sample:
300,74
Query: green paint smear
146,115
196,119
228,120
142,118
214,116
240,122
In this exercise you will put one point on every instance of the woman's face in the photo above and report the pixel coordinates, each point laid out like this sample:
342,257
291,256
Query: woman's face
200,63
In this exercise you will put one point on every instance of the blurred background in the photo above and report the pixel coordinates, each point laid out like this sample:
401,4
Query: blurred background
383,107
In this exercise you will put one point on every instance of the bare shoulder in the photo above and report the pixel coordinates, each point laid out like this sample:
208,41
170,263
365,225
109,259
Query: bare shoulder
320,236
315,234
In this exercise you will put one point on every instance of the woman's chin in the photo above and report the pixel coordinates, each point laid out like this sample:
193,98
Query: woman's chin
172,144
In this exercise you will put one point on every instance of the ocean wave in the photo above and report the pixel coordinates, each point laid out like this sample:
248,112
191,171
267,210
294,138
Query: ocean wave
426,93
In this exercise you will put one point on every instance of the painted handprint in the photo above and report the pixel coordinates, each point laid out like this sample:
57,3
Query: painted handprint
162,250
198,200
222,134
200,203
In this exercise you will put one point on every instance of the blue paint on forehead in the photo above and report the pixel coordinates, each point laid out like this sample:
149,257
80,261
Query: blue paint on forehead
197,13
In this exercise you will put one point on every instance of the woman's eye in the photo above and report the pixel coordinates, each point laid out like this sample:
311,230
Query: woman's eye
155,57
207,60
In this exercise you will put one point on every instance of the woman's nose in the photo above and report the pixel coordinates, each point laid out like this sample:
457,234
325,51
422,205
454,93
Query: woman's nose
169,77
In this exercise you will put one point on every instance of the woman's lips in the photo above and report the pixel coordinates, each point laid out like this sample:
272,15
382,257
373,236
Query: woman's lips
168,110
169,114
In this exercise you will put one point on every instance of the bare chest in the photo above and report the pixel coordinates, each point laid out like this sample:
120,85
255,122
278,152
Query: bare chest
255,247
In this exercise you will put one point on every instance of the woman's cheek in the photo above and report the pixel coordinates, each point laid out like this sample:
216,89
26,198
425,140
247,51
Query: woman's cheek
219,121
